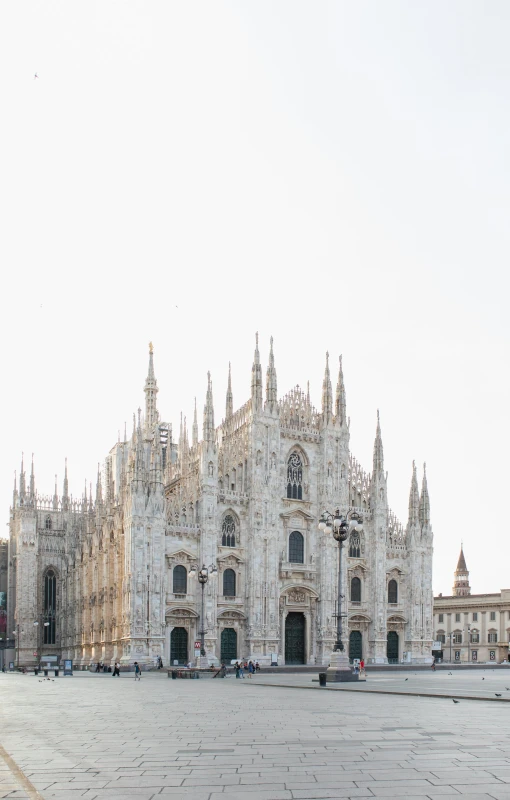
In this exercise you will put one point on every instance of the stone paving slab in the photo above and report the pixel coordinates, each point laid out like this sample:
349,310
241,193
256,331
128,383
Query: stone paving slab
160,739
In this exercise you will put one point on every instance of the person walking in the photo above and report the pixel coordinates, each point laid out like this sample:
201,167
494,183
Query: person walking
251,669
116,670
138,671
241,670
237,668
97,667
433,665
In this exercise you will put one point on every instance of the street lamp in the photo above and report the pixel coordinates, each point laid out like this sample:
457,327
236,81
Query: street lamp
341,527
203,575
36,625
16,633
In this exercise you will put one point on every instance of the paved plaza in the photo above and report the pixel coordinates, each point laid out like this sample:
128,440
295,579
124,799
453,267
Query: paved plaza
94,736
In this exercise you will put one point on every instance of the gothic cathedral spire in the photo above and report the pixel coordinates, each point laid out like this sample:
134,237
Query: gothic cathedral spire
414,498
151,390
424,509
65,493
378,465
209,413
340,401
271,382
327,394
229,409
194,432
32,481
256,379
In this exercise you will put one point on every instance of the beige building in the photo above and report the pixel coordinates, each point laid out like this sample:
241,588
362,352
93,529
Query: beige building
471,627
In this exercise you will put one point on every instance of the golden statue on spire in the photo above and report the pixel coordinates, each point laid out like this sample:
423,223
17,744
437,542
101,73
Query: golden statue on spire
151,348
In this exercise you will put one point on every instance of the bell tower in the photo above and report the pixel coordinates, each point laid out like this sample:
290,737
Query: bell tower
461,587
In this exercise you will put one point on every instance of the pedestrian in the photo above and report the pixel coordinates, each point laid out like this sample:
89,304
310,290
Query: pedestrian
138,671
241,670
97,667
105,667
433,665
116,670
251,669
238,670
361,667
257,666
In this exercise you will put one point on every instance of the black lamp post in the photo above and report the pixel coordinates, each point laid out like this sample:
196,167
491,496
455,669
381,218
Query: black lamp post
203,575
16,633
36,625
341,528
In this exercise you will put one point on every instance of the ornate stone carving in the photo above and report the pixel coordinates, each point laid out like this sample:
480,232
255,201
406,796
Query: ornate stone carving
295,596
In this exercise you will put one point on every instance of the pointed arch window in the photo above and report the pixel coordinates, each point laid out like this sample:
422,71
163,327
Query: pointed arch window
354,545
180,579
355,590
229,583
295,477
392,592
296,548
50,607
228,531
47,523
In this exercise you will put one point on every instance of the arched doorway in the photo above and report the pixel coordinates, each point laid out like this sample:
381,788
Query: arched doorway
295,638
392,647
179,646
228,645
355,645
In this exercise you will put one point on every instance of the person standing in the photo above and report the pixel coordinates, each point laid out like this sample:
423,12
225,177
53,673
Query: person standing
138,671
251,669
241,670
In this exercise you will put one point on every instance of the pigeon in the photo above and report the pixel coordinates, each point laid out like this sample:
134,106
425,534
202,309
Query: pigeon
483,679
456,701
507,688
498,695
36,76
407,679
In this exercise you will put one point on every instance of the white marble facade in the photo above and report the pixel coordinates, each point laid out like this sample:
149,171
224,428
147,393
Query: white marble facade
111,573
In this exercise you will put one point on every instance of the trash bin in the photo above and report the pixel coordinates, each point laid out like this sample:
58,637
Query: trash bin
56,673
45,673
322,678
174,674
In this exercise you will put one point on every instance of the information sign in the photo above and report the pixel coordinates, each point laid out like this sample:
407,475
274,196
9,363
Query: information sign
68,666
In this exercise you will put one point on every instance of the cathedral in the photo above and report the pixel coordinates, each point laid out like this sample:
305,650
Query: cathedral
118,576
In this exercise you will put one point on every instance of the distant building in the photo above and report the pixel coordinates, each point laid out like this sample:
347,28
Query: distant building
471,627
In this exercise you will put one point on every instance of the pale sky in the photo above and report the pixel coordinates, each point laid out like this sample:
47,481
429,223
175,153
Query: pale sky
333,174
